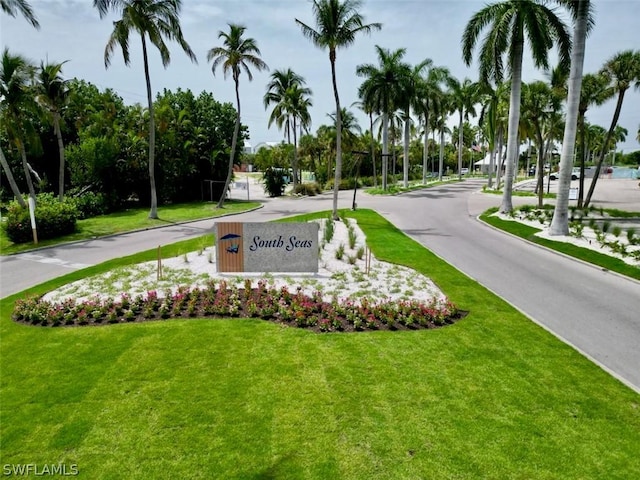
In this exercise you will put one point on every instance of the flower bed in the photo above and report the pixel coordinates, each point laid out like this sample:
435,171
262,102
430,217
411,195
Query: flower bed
219,300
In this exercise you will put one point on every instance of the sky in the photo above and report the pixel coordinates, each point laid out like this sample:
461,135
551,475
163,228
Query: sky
72,30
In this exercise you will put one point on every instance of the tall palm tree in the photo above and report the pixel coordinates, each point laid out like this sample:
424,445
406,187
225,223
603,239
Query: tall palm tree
464,95
510,22
16,101
337,24
583,18
158,20
368,108
623,71
411,78
13,7
236,54
380,89
291,102
53,93
495,102
429,94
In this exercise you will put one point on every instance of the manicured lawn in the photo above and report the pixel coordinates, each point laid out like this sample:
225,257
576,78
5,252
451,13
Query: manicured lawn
133,219
528,233
493,396
397,188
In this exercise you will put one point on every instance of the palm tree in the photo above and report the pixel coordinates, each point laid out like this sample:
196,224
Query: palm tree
12,7
463,96
492,118
583,17
286,91
638,135
157,20
429,94
380,91
369,109
623,71
53,93
510,22
16,73
338,23
236,54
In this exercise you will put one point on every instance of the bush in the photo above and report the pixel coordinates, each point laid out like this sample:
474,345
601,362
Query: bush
90,204
310,189
274,182
345,184
53,219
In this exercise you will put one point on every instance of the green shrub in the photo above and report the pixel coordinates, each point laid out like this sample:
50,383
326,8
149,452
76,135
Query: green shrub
53,219
310,189
274,182
90,204
345,184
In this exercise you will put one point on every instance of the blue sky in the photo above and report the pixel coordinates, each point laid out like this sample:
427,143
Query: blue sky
72,30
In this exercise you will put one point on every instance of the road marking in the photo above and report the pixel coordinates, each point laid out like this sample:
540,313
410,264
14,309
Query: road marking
53,261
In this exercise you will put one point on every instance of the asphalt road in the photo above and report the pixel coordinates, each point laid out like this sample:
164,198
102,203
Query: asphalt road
594,311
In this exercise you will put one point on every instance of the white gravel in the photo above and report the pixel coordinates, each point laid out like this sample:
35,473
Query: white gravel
336,278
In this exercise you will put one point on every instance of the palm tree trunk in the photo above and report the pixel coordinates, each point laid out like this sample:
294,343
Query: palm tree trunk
582,152
12,181
514,119
234,143
372,149
540,170
337,177
560,221
385,149
425,154
56,128
460,140
153,212
27,173
405,162
441,159
295,156
603,152
500,163
492,163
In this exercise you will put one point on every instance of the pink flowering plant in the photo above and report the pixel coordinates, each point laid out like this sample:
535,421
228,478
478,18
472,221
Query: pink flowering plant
221,300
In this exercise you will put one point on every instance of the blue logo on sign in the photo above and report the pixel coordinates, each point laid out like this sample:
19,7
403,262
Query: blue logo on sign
233,248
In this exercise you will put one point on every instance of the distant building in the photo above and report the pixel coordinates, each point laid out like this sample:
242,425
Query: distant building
265,145
247,148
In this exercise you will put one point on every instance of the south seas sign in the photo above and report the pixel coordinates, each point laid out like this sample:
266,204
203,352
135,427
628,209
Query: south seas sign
266,247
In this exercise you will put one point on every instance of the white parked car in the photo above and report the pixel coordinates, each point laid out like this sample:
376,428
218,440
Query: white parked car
575,174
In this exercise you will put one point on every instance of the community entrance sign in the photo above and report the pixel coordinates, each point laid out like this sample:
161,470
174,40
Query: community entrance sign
266,247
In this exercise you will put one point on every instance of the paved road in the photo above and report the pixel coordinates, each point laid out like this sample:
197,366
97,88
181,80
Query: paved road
595,311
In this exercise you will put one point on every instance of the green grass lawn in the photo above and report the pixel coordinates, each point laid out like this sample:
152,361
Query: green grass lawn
587,255
492,396
393,188
133,219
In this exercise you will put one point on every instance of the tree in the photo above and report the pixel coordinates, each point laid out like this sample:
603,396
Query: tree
236,54
623,71
380,90
16,73
369,109
337,24
463,96
157,20
429,95
53,93
13,7
583,18
292,103
509,23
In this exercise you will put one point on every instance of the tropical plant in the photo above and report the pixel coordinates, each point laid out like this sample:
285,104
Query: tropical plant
380,90
623,71
510,22
337,24
52,94
157,20
13,7
292,103
368,109
236,54
583,19
16,101
463,96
